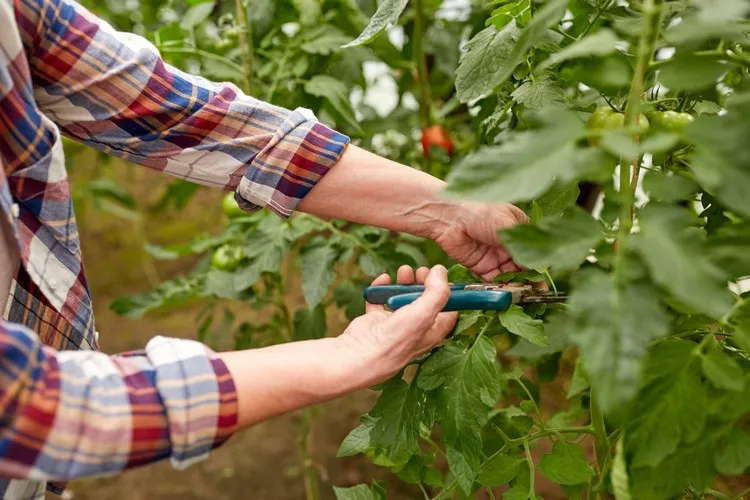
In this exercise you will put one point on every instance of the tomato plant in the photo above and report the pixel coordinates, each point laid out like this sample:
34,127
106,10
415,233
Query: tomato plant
651,350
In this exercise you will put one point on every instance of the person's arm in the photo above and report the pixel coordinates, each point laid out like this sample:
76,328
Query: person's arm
72,414
65,415
113,91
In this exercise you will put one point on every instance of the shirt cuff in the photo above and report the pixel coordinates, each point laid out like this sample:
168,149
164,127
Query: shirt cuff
199,397
290,165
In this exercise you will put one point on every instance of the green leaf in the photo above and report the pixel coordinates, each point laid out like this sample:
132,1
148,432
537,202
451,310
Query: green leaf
712,19
550,13
690,466
386,16
661,186
110,190
337,94
466,320
729,247
619,475
732,457
692,73
516,321
527,164
482,59
358,440
600,43
310,323
398,413
719,165
309,12
566,464
167,293
675,255
317,273
559,242
196,15
557,200
460,274
539,92
508,11
612,322
349,296
722,371
359,492
468,387
580,381
372,265
499,470
670,409
328,42
414,253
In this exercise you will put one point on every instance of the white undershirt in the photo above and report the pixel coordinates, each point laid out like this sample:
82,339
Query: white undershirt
8,262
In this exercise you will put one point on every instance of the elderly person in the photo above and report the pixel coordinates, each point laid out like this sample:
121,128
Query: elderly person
69,411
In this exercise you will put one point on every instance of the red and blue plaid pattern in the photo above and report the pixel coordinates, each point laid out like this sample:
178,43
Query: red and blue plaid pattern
63,71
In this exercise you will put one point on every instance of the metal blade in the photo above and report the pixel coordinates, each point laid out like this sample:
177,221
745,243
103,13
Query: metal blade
542,299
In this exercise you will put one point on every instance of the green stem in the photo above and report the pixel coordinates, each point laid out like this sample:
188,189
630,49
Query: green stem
652,16
424,491
482,332
600,433
490,493
312,489
531,398
438,449
596,18
202,53
246,48
742,494
707,54
421,61
332,227
530,461
277,77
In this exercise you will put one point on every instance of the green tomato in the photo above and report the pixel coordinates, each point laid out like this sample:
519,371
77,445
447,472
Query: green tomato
605,118
226,257
230,207
672,121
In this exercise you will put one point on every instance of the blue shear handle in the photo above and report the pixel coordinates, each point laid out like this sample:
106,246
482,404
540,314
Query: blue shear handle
379,294
462,300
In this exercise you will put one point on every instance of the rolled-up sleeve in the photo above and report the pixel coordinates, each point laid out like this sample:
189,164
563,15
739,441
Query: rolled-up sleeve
114,92
70,414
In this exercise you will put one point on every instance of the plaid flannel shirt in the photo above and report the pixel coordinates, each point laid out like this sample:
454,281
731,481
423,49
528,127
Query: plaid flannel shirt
66,414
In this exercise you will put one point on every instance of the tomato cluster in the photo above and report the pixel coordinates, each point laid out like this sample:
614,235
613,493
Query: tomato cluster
435,136
606,118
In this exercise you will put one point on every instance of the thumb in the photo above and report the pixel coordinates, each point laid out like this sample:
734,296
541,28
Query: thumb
418,316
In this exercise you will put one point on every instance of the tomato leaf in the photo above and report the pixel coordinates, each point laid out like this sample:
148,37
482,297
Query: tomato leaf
675,255
619,475
482,59
196,15
337,94
732,457
719,165
670,409
600,43
560,242
692,73
566,464
468,386
527,165
516,321
317,273
310,323
386,16
613,337
358,440
499,470
722,370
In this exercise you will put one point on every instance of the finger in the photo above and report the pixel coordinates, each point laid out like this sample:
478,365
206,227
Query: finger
418,316
422,273
442,326
405,275
519,214
383,279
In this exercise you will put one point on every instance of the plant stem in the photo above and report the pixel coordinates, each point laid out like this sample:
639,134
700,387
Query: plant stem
202,53
742,494
246,48
420,60
652,16
424,491
490,493
312,490
530,461
600,433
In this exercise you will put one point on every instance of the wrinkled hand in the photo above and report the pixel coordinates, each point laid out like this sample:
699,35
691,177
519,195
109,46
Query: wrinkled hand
469,235
386,341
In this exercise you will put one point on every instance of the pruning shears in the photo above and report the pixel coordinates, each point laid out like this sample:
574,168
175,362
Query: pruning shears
467,297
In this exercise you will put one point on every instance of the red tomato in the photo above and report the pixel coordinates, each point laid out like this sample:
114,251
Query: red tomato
436,136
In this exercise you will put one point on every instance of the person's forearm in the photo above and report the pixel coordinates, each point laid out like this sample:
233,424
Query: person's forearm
275,380
368,189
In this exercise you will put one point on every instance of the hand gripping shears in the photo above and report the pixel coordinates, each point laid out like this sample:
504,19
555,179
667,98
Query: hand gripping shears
474,296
